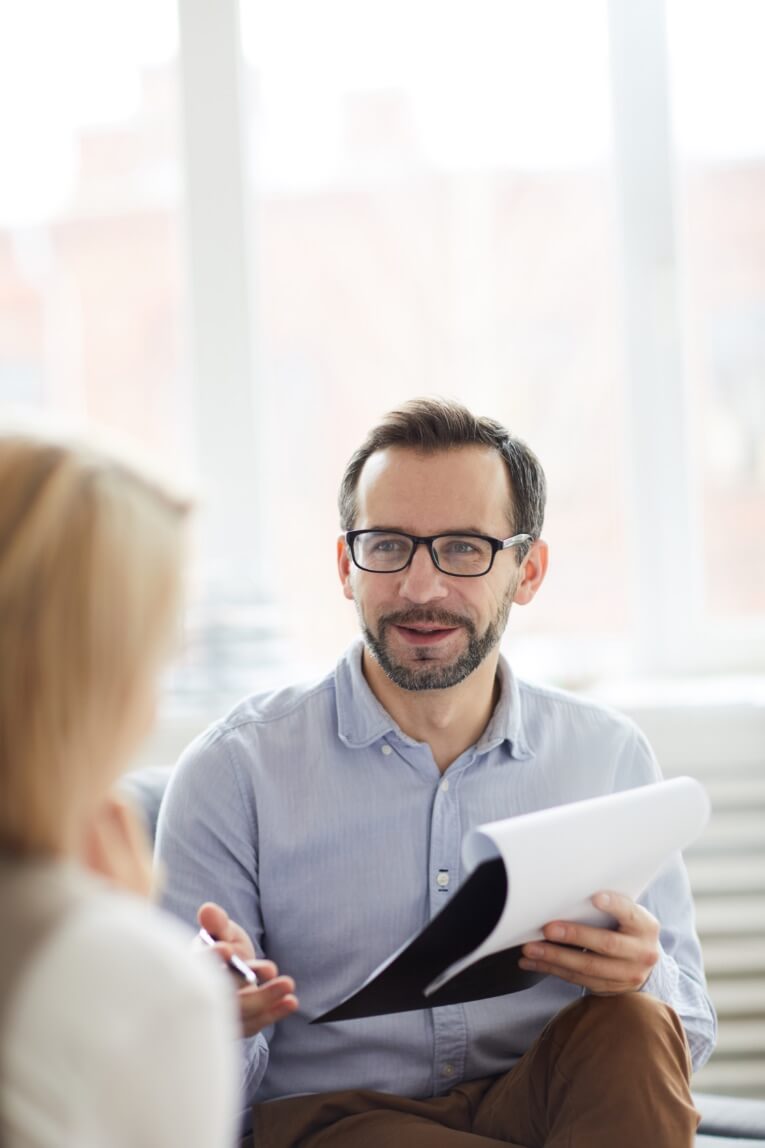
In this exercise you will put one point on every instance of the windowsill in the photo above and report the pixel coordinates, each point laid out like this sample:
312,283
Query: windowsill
681,692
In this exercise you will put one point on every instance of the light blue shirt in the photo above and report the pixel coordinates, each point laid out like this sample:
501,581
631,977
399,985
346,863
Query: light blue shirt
323,829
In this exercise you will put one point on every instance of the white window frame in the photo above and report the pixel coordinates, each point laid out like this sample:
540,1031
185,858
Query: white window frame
221,338
672,633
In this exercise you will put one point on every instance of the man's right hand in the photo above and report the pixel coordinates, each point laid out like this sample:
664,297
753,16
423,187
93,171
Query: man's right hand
273,998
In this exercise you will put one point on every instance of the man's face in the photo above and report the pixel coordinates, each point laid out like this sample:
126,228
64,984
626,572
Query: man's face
430,630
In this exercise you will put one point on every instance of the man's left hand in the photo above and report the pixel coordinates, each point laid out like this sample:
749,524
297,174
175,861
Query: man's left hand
613,961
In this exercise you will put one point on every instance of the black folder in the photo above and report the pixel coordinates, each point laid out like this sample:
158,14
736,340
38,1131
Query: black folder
464,922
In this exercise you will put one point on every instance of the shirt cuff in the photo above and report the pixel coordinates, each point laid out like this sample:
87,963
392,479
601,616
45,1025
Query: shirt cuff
254,1065
663,979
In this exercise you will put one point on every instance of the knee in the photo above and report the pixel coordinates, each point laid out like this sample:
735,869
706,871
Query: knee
631,1014
623,1024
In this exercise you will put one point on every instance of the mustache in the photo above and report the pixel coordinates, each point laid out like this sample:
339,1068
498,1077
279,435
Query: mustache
425,617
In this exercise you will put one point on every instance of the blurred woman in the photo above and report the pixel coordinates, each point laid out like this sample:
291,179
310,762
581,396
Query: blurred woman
112,1032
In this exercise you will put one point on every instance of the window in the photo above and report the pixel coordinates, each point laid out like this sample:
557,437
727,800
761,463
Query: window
469,201
434,215
718,95
90,271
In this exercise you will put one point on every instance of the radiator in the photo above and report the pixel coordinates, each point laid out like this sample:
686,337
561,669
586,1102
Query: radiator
723,745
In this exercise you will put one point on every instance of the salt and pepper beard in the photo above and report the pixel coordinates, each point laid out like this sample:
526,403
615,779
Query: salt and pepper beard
428,676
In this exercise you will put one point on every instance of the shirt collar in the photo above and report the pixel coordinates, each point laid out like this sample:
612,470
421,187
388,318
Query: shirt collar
361,720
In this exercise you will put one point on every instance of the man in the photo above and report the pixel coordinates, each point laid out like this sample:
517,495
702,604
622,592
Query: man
327,822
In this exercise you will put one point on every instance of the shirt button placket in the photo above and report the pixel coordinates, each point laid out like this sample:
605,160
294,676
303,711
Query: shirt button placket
448,1023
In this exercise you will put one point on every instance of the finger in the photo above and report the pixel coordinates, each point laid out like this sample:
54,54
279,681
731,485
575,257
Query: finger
265,1005
631,917
283,1007
267,993
605,941
216,920
254,1024
220,926
221,949
265,971
589,966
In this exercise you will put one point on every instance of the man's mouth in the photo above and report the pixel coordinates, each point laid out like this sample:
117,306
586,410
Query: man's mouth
421,634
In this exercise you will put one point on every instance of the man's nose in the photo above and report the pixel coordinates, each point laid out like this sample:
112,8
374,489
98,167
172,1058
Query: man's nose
422,581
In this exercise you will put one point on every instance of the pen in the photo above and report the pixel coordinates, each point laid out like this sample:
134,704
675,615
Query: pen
236,964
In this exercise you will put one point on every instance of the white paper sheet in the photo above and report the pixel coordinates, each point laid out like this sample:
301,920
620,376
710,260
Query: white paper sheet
558,859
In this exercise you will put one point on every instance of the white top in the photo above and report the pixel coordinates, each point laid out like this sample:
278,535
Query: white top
119,1036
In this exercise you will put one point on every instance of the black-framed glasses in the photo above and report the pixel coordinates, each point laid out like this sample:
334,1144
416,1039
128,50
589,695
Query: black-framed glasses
461,555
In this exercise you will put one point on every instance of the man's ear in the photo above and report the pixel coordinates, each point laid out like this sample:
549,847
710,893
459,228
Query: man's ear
344,566
533,573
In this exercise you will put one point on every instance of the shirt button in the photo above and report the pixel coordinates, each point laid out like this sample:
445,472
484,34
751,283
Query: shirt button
447,1070
386,749
445,785
442,880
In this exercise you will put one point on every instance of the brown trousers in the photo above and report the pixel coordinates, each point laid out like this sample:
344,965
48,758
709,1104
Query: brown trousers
606,1072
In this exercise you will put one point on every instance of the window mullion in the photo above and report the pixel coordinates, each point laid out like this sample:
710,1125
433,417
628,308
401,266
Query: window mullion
219,285
665,540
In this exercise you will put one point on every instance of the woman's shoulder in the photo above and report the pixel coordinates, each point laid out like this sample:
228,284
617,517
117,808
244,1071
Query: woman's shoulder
112,939
124,959
61,907
115,994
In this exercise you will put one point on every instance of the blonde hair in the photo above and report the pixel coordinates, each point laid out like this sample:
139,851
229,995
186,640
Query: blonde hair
90,561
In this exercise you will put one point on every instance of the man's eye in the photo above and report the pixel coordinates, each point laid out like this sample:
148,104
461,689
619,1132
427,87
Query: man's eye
388,545
460,546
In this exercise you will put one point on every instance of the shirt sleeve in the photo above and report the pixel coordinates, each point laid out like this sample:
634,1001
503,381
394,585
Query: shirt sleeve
678,977
207,849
